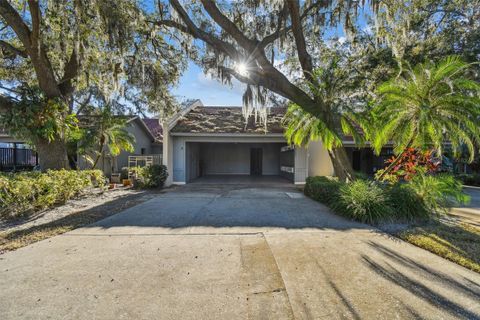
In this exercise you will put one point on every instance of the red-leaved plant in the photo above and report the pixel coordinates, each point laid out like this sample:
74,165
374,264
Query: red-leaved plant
410,163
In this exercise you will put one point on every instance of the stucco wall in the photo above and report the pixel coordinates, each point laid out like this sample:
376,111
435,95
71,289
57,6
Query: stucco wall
142,140
319,163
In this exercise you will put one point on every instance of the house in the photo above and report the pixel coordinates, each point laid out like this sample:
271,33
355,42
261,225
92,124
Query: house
217,141
148,136
15,154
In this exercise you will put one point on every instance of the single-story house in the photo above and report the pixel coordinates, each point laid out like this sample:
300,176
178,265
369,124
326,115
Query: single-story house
148,136
206,141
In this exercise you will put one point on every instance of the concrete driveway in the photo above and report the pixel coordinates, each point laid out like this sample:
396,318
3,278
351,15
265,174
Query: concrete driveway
232,252
469,213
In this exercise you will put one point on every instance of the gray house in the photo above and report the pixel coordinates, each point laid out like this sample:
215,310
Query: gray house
202,141
148,142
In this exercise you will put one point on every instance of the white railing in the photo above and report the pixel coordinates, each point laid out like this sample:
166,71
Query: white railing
144,160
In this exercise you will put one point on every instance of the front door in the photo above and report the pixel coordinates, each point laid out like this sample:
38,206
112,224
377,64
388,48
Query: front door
256,161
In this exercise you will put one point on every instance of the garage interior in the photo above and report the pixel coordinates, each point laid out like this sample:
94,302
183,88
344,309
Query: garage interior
238,162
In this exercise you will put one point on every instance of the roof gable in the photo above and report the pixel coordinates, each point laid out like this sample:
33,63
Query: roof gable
154,126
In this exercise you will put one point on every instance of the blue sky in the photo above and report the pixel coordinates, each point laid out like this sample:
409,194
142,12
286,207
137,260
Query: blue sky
194,84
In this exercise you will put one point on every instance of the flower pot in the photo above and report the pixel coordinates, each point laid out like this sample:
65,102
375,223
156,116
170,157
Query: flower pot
126,182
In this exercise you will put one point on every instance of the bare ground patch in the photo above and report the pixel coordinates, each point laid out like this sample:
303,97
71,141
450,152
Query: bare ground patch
74,214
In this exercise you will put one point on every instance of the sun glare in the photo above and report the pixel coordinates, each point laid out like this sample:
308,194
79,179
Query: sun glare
241,68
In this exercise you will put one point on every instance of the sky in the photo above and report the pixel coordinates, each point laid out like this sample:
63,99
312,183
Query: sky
194,84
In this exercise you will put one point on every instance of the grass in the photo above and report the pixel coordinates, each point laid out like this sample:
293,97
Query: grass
12,240
458,243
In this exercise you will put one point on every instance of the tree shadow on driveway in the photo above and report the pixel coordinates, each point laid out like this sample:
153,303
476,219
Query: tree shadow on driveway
393,267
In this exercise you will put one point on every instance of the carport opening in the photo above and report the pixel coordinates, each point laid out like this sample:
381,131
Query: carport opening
249,162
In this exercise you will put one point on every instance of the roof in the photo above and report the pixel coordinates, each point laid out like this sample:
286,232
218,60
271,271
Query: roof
153,124
227,120
150,125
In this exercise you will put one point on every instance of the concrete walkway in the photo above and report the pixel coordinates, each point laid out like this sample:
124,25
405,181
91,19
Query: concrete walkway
232,252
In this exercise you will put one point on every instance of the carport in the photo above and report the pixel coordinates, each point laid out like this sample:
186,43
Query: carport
205,144
228,160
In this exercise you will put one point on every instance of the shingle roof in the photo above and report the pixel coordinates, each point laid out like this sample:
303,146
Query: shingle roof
227,120
153,124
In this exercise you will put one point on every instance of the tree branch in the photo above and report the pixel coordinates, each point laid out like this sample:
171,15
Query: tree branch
196,32
228,25
303,55
268,77
13,19
36,18
14,52
32,43
275,35
71,67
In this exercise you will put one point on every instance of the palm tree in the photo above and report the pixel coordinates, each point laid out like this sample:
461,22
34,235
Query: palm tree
106,134
333,86
113,139
426,107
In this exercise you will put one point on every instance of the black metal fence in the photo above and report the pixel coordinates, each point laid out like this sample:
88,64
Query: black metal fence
17,159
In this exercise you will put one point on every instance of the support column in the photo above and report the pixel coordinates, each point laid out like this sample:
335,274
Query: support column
14,156
167,158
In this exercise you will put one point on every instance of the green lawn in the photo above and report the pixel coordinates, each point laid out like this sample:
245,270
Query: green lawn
457,243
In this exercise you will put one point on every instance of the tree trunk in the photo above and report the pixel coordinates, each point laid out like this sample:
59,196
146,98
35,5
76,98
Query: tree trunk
52,154
341,164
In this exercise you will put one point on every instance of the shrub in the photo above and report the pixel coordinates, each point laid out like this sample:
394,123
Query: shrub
26,192
469,179
410,163
439,192
364,201
124,173
371,202
406,204
153,176
362,175
322,189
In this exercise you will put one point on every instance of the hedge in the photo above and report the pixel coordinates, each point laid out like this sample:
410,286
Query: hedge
27,192
372,202
472,179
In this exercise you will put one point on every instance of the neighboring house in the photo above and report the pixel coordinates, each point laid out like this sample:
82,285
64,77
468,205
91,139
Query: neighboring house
15,154
202,141
148,142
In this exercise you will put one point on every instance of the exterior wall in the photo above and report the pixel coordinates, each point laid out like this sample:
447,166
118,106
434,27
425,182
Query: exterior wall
319,163
287,159
301,169
157,148
142,140
234,158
